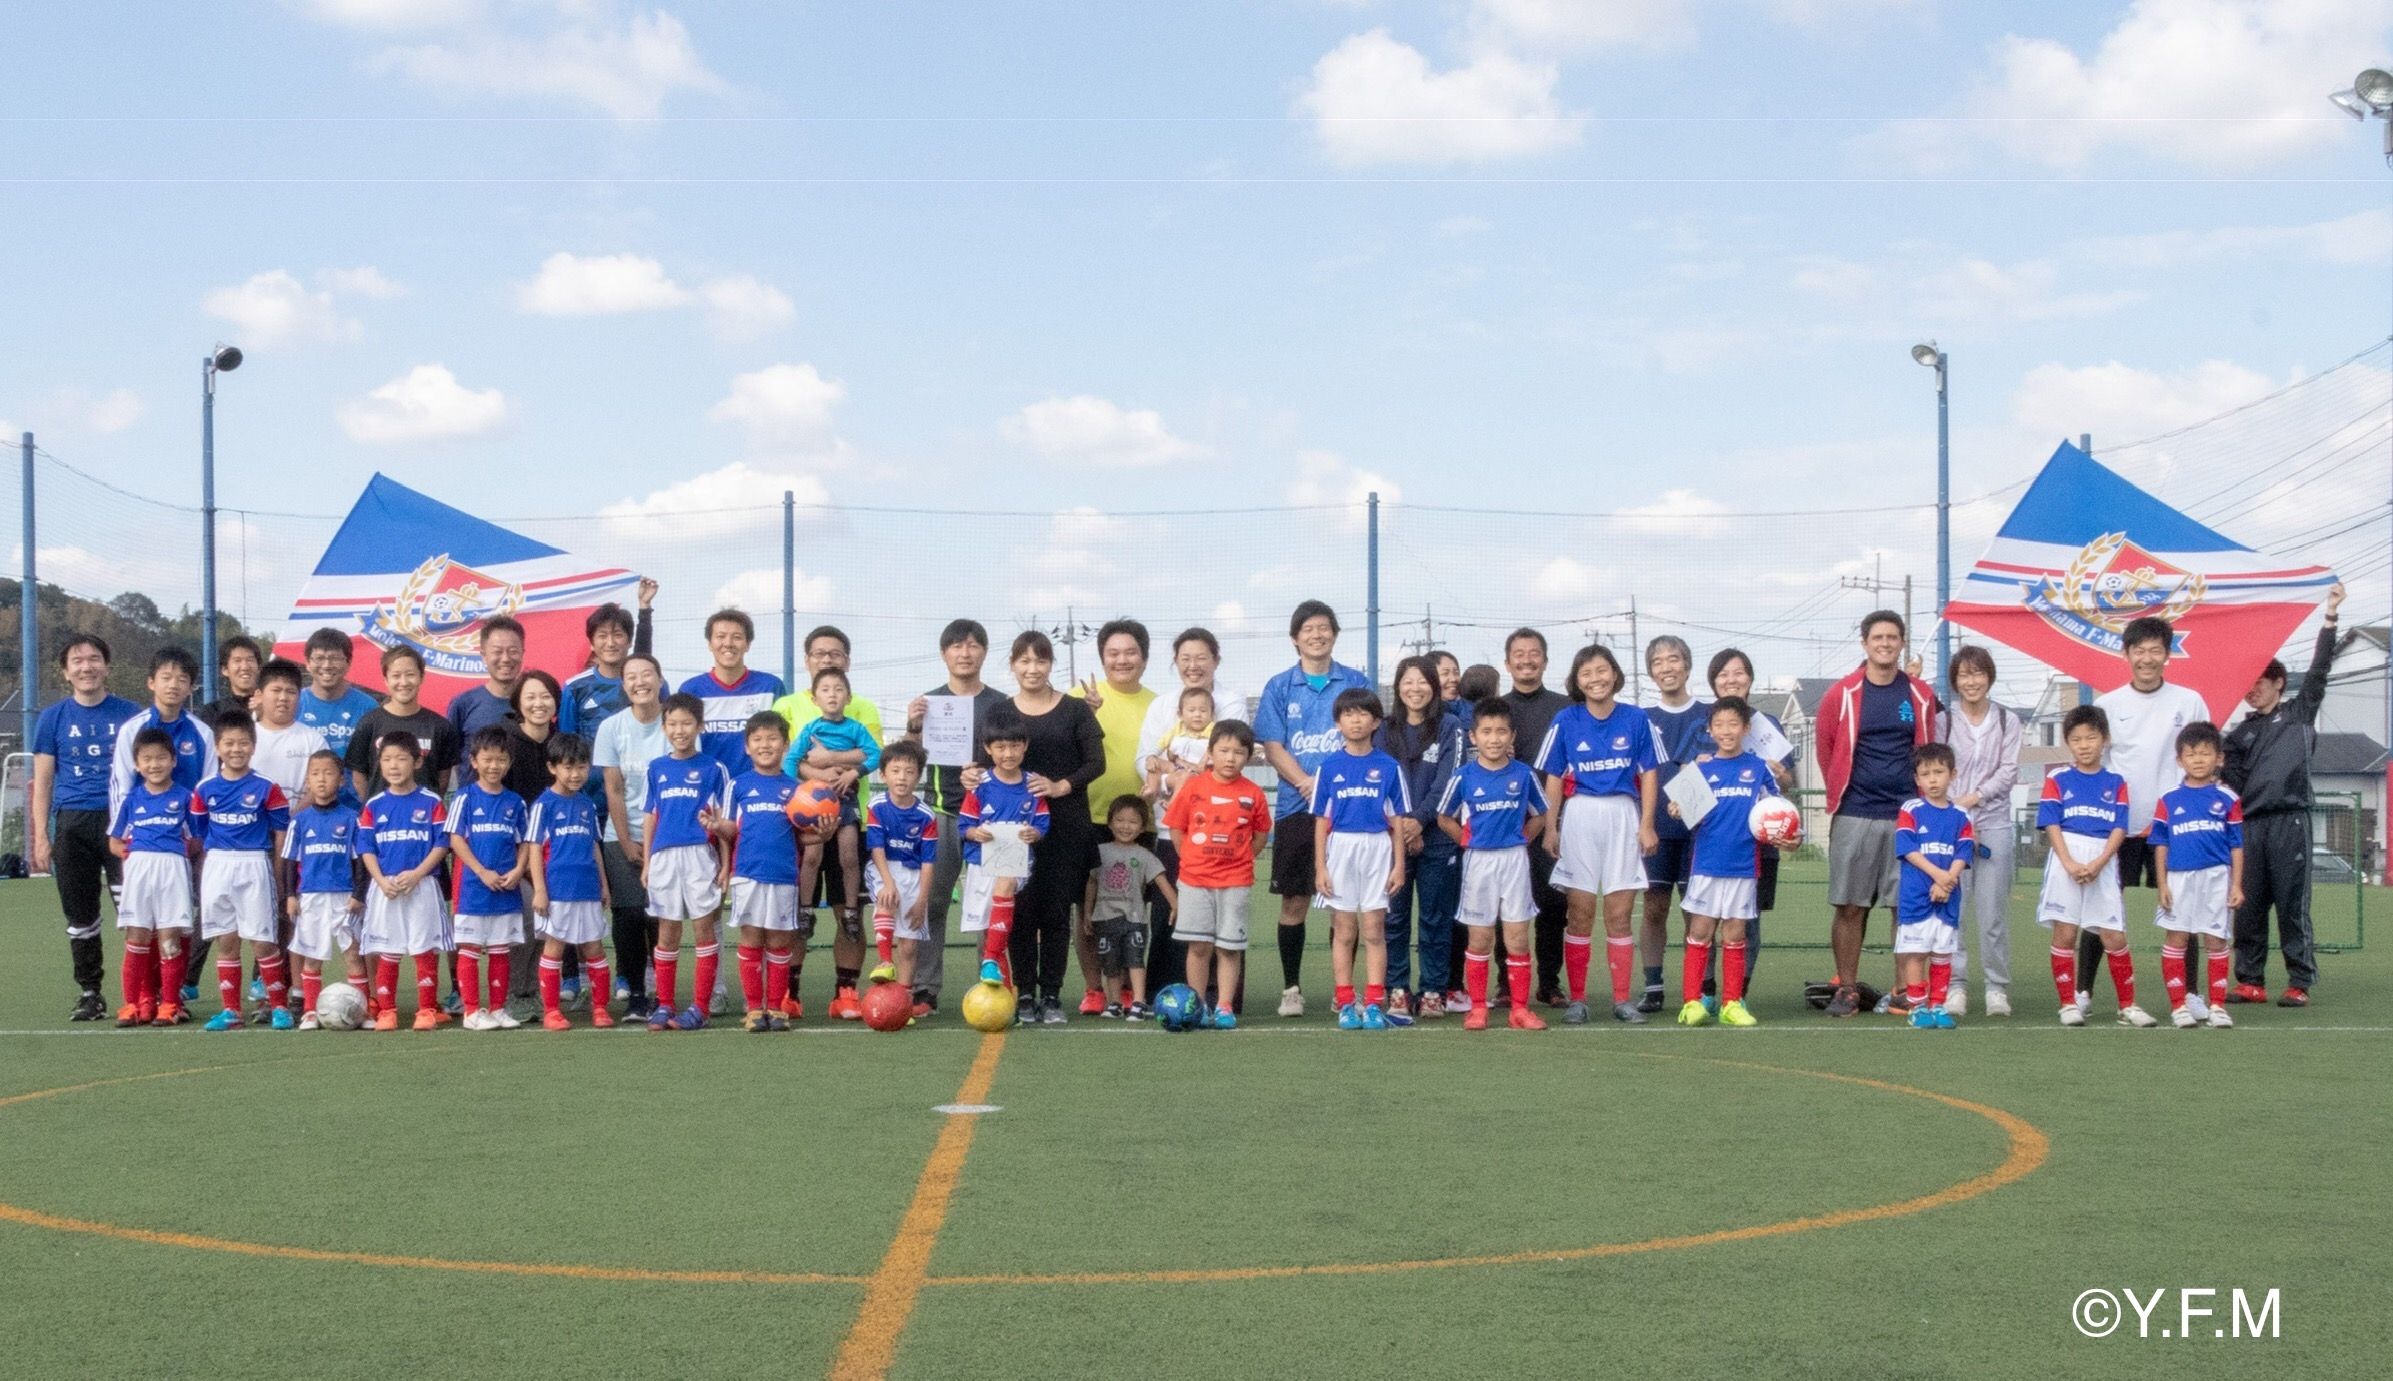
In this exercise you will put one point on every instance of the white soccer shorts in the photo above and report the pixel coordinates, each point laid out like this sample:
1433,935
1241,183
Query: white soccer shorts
1722,899
900,904
2093,906
1358,867
1599,846
156,893
1495,887
496,930
326,928
765,905
2201,897
236,897
681,883
1927,935
416,923
573,922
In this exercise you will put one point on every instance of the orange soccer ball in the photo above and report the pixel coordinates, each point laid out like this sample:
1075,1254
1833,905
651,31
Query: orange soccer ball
813,805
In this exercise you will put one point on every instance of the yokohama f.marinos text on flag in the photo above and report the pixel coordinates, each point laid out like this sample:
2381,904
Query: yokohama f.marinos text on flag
409,571
2086,551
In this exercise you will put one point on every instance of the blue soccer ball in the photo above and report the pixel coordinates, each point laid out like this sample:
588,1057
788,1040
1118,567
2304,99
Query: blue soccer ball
1179,1008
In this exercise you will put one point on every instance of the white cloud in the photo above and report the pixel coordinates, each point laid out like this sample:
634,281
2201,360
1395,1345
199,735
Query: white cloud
2355,239
759,591
2217,83
1565,579
363,281
599,285
2126,404
1080,559
743,308
1678,513
394,14
274,308
119,409
1375,100
784,406
426,404
1582,25
1088,428
738,497
1324,479
626,71
1898,296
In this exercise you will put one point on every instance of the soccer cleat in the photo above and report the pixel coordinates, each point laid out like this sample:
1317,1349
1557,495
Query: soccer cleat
1575,1014
1292,1001
884,973
755,1022
283,1020
129,1015
660,1017
1923,1018
386,1020
1092,1002
922,1008
1998,1003
990,973
89,1007
1845,1002
2182,1018
2072,1015
476,1020
168,1014
1432,1007
720,1003
1956,1001
1895,1004
846,1006
2085,1001
2219,1019
1945,1020
1475,1019
2198,1005
1628,1014
2294,997
227,1020
454,1003
600,1017
555,1021
2247,992
426,1019
308,1022
1350,1018
257,990
189,993
1711,1003
2132,1015
1051,1012
1224,1019
1734,1014
503,1020
1651,1002
1138,1011
1693,1013
774,1021
1524,1019
1375,1017
1457,1001
692,1018
792,1008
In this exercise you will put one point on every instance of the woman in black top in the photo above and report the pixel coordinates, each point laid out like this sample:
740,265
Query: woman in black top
532,724
1066,753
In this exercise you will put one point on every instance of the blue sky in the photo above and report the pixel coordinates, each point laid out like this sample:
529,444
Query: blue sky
1664,257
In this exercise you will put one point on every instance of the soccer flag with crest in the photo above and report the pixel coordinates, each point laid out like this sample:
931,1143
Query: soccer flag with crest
409,571
2086,551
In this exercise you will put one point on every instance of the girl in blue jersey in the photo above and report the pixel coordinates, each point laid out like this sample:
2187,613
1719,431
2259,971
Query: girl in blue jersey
1724,864
569,883
766,875
400,837
321,884
1602,782
1357,793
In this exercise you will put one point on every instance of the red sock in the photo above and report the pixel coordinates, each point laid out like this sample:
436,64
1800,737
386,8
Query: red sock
993,942
1732,971
499,967
1576,950
668,975
2064,975
776,979
1699,958
469,978
884,935
552,985
1517,974
2218,978
1916,994
1474,977
1940,981
1342,996
1620,955
228,983
310,986
2122,975
1375,994
751,959
2172,975
386,983
135,973
702,992
427,981
278,982
167,977
598,980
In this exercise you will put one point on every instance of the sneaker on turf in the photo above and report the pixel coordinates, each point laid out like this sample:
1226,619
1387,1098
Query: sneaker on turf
1945,1020
1432,1007
283,1020
1523,1019
555,1021
1092,1002
1112,1011
990,972
1894,1004
1845,1002
386,1020
1734,1014
476,1020
1956,1000
189,993
1575,1014
692,1018
1651,1002
638,1008
1923,1018
1375,1017
569,991
774,1021
2132,1015
600,1017
1711,1003
1292,1001
2219,1019
1051,1012
89,1007
660,1016
503,1020
2181,1016
1138,1011
308,1022
1998,1003
1400,1004
1693,1013
1224,1019
2085,1001
2198,1005
426,1019
2247,992
2072,1015
922,1008
1628,1014
228,1019
622,990
1395,1018
755,1022
720,1003
257,990
1350,1018
454,1003
1475,1019
130,1015
1457,1001
2294,997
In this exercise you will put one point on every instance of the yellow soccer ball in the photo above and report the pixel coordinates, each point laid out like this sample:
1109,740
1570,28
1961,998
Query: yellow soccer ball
988,1007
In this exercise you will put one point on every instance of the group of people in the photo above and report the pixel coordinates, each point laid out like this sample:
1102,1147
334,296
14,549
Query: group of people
1475,809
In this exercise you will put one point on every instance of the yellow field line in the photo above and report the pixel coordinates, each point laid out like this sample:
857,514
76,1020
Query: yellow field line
104,1083
2028,1149
890,1293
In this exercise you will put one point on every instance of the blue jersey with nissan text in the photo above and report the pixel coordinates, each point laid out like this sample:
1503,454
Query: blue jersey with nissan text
154,822
565,831
1599,757
1360,792
400,829
909,835
1724,842
997,802
2200,826
680,790
768,839
1295,714
1943,836
2088,803
1680,737
723,735
1493,803
239,814
491,825
321,840
82,739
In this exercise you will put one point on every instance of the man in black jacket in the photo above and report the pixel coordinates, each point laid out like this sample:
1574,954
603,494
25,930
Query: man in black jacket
2268,765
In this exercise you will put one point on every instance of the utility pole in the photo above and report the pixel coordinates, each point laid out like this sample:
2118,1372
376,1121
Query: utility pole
1371,600
1072,634
789,589
1636,657
28,640
1879,585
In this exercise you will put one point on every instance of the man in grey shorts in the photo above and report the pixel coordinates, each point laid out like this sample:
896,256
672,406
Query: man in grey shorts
1868,724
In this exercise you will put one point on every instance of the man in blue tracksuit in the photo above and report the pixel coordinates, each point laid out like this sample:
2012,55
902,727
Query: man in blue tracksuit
1296,730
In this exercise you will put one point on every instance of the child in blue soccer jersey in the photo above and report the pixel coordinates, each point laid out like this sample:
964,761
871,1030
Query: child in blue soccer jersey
1002,801
1601,766
240,818
1934,839
150,832
402,838
1356,865
321,886
569,885
902,836
2083,815
1724,865
487,826
684,867
835,749
1492,808
2197,851
764,876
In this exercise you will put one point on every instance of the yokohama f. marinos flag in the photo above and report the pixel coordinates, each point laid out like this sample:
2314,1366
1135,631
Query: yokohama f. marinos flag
407,570
2086,551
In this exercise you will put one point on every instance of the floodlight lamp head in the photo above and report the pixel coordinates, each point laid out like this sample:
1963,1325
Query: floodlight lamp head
2374,87
227,358
1927,353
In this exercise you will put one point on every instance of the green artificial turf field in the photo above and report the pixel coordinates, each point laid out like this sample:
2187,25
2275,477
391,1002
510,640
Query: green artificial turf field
1656,1201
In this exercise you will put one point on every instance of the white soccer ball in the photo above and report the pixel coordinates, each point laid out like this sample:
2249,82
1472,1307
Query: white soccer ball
1776,821
340,1007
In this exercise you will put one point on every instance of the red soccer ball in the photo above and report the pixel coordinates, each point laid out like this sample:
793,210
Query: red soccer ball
888,1007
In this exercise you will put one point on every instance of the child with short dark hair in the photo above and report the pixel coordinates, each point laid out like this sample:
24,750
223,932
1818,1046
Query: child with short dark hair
684,867
1935,840
240,818
2197,851
324,884
1002,801
150,832
2083,814
487,824
1220,822
1724,866
1116,906
402,839
765,901
902,836
1493,809
1357,867
569,883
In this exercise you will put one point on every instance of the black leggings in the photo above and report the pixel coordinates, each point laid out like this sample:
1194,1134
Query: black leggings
85,870
635,940
1041,945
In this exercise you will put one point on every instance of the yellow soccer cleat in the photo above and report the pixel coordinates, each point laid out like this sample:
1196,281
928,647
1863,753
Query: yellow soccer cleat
884,973
1693,1014
1734,1014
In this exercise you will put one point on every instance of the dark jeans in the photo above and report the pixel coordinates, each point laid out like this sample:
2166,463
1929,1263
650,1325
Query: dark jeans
84,869
1433,884
2276,873
1041,945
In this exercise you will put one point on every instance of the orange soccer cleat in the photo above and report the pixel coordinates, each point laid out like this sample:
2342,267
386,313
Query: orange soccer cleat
1525,1020
1092,1002
845,1006
792,1008
168,1014
425,1018
600,1017
1476,1018
386,1020
555,1021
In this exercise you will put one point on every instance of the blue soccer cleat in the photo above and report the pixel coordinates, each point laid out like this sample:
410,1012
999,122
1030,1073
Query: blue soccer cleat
227,1020
1923,1017
257,990
692,1018
660,1016
990,973
190,993
1224,1019
1350,1018
283,1020
1374,1019
1944,1020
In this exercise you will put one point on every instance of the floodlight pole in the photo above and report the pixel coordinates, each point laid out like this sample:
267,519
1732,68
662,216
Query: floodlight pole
28,640
1944,524
1371,602
789,589
207,529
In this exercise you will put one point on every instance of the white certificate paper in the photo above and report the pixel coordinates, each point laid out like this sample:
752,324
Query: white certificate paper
1007,854
947,730
1765,742
1691,794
